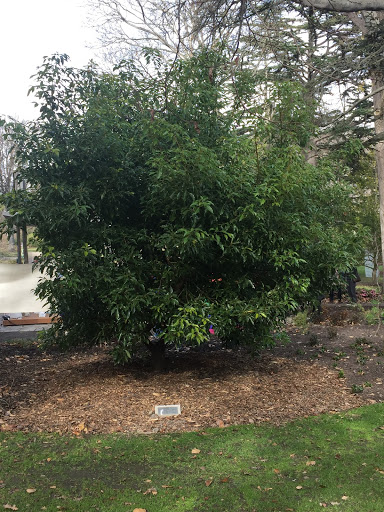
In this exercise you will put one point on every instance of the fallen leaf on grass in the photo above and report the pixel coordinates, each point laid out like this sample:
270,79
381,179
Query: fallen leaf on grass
10,507
224,480
208,482
310,463
152,490
277,471
344,498
139,510
195,450
299,487
30,491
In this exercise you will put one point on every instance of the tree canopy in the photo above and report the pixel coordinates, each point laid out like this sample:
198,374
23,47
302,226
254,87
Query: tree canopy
163,212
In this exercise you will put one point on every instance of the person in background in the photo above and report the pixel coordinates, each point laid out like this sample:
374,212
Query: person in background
351,278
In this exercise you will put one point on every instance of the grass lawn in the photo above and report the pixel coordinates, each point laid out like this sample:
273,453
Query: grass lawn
334,461
367,281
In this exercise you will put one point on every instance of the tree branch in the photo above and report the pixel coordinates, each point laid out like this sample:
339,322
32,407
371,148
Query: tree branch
345,5
343,114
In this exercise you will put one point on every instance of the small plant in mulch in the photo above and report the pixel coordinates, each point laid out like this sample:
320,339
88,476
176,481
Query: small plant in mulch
301,321
339,355
357,388
362,359
341,374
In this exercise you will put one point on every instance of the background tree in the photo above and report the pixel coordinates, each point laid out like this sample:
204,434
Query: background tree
159,215
125,27
7,161
360,60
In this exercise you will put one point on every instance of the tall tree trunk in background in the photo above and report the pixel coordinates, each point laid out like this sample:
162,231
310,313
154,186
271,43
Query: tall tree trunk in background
377,78
25,244
378,102
310,151
368,22
18,243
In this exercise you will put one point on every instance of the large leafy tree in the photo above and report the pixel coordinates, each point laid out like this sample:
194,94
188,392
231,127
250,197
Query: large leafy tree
161,211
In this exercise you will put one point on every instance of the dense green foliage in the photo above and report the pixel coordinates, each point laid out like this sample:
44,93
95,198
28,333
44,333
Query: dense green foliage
154,213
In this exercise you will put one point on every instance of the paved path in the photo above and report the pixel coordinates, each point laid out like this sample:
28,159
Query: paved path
21,332
16,285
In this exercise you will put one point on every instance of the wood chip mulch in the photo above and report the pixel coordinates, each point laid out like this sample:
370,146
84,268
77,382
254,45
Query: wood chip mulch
85,393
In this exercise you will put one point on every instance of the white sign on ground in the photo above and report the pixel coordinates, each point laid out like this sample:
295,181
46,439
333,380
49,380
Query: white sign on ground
168,410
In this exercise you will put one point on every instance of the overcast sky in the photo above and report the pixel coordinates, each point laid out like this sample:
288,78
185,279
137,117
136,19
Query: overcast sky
29,30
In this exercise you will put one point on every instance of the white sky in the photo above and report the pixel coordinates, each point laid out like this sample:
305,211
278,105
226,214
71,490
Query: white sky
29,30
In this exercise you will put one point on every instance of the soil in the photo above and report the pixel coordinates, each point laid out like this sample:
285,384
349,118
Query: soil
333,365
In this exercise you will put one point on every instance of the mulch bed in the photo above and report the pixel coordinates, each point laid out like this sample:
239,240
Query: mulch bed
81,393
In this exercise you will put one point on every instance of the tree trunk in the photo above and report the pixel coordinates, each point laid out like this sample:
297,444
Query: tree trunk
375,261
25,244
368,22
378,102
377,78
18,243
157,350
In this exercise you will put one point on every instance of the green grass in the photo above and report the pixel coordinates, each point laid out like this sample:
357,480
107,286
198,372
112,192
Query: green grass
367,281
334,461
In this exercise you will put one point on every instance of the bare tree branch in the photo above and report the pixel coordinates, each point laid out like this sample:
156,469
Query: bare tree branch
345,5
